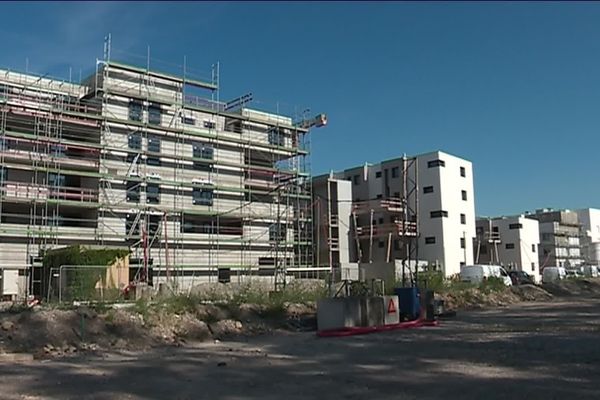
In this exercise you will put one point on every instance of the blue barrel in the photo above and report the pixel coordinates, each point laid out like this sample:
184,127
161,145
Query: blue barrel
409,300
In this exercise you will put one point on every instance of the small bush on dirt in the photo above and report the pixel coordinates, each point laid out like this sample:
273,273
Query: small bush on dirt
492,284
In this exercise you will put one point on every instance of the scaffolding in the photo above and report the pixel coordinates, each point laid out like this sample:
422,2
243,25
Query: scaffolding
399,224
197,189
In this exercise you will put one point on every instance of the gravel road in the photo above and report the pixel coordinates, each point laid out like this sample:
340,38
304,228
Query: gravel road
530,350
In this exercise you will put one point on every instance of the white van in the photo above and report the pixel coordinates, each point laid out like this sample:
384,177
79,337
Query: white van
552,274
479,272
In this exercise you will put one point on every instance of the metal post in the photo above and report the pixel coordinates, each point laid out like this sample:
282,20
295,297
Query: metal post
371,237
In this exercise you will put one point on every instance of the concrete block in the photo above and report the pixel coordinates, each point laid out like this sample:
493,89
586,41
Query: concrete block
339,312
372,311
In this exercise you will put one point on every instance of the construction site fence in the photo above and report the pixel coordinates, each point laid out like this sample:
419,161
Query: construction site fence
83,283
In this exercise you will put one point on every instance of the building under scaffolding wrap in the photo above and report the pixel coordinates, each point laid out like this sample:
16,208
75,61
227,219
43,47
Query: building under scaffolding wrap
198,189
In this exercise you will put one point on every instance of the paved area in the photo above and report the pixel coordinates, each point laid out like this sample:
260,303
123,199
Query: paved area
531,350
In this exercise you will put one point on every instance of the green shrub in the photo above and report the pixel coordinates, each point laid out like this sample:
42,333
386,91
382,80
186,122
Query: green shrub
492,284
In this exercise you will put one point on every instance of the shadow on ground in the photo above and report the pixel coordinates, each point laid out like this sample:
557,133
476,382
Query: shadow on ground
533,351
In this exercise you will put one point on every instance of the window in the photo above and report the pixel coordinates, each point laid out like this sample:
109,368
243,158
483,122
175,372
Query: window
4,144
533,248
135,110
396,245
463,172
381,244
380,220
430,240
462,243
463,194
152,193
130,228
133,192
188,120
483,249
436,163
154,114
276,137
210,124
515,226
57,150
274,232
153,147
428,189
203,197
463,219
379,196
356,179
3,174
378,174
134,141
510,246
438,214
202,150
56,180
397,195
495,229
533,267
395,172
479,230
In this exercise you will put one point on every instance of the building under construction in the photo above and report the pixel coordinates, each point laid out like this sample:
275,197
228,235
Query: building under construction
198,189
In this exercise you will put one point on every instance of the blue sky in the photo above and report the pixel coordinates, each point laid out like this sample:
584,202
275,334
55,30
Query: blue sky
513,87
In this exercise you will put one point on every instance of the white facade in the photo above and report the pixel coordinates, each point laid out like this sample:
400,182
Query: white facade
518,239
446,209
451,179
589,218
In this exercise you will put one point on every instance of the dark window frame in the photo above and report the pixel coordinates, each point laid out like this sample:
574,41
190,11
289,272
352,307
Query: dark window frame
438,214
151,196
202,196
154,114
436,163
133,191
135,110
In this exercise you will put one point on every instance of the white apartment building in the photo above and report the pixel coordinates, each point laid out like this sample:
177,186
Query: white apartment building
509,241
559,238
446,210
589,218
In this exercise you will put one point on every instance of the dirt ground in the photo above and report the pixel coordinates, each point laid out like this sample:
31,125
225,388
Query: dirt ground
536,350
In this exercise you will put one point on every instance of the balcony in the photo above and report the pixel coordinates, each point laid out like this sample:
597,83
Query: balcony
23,191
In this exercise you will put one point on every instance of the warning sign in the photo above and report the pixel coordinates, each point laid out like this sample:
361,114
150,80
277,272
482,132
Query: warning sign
391,308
